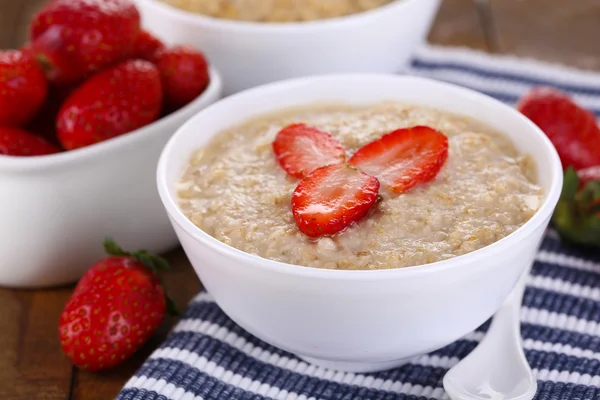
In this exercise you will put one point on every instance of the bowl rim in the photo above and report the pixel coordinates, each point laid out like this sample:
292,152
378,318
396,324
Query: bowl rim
541,215
19,164
279,27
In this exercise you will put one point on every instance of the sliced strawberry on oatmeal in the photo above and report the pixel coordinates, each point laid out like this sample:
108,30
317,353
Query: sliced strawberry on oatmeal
331,198
404,158
300,149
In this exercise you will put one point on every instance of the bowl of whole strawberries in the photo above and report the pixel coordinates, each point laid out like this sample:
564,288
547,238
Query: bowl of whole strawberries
86,107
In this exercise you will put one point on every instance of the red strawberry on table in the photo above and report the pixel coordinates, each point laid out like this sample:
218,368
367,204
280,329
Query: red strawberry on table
404,158
113,102
17,142
23,87
577,214
74,38
146,46
116,306
573,130
300,149
184,73
590,174
332,198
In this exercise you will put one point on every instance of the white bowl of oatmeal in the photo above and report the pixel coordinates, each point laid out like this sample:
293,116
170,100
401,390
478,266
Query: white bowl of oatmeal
441,257
255,42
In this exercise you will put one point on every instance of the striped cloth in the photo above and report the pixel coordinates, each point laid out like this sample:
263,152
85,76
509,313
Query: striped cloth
207,356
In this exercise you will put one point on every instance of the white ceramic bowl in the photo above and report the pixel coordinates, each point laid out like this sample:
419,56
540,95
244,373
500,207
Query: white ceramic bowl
250,53
55,210
359,320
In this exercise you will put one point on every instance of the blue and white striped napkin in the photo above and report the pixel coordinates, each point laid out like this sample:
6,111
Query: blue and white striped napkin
209,357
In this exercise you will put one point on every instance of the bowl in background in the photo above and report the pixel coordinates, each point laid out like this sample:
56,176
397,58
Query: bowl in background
248,54
359,321
57,209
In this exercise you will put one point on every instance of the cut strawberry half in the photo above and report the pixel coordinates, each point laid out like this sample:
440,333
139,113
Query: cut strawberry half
331,198
300,149
404,158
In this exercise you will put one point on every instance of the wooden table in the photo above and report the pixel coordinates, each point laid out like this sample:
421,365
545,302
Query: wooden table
31,363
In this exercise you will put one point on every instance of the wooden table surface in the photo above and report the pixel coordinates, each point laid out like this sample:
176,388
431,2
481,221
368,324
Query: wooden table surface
31,363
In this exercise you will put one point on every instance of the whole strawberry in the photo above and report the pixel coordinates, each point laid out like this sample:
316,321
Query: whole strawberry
74,38
23,87
184,74
577,214
573,130
113,102
116,306
17,142
147,45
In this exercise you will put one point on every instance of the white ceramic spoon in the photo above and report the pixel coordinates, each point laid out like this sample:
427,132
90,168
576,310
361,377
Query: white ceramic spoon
497,368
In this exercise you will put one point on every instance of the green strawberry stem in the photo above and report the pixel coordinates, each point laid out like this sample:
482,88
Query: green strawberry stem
154,263
577,214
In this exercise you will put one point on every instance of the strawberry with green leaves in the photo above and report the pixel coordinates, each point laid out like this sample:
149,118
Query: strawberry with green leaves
75,38
577,214
575,134
115,101
115,308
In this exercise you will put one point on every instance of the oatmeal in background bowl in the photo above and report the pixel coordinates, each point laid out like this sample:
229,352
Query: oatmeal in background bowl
257,42
466,188
276,10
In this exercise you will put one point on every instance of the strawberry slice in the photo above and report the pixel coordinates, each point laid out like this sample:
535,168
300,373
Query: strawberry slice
572,130
300,149
331,198
404,158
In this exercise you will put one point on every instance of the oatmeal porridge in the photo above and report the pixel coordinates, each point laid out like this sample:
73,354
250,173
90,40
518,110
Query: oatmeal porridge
276,10
236,191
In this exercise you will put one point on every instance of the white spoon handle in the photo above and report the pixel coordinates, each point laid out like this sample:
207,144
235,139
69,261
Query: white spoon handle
497,368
